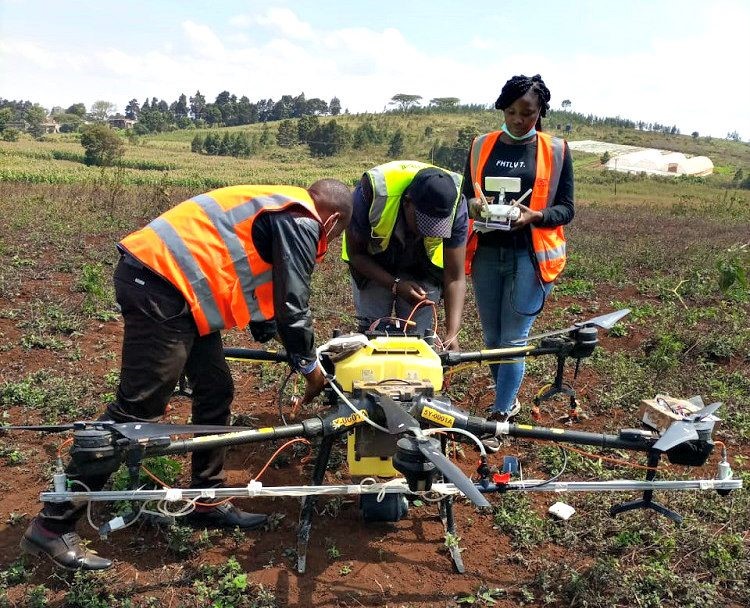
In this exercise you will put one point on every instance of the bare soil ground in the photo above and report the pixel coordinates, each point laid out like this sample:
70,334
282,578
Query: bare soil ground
401,564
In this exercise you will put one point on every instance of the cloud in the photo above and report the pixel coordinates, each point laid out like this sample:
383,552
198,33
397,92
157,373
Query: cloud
204,42
692,81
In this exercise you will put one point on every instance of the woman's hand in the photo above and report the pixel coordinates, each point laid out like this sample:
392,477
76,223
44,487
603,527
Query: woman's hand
475,208
528,216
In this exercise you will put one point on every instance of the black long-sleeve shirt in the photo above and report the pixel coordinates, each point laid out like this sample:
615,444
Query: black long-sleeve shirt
519,160
288,240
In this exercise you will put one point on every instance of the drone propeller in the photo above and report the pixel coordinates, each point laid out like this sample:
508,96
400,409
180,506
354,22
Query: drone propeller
686,429
43,428
603,321
135,431
398,420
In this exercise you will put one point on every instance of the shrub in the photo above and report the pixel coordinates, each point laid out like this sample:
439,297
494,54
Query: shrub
103,146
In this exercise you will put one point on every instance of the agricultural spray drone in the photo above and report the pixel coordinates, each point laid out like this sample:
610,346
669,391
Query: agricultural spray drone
386,396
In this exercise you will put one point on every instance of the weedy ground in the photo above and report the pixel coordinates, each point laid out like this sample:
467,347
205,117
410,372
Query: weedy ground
669,250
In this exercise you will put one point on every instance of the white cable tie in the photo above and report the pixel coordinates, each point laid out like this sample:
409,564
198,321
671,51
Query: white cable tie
173,494
561,487
116,523
254,488
352,489
208,493
706,484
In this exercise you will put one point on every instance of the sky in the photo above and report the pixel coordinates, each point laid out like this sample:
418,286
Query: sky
682,63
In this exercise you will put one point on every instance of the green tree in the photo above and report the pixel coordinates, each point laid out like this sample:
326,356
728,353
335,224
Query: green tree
101,109
328,139
334,106
102,145
226,148
36,115
444,103
78,109
454,156
69,123
132,110
265,137
197,104
305,126
212,145
566,103
286,135
197,144
6,116
404,101
396,145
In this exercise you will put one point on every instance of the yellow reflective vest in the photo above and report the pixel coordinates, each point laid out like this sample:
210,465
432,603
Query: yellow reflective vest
389,181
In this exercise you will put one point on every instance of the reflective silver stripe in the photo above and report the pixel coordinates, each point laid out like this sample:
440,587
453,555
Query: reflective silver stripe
551,254
379,195
476,151
558,155
191,270
225,222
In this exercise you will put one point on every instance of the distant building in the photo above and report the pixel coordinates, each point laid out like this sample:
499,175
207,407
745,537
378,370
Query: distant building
120,122
50,126
651,161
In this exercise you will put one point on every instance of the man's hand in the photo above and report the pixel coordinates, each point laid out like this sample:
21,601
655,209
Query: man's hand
410,291
452,345
314,383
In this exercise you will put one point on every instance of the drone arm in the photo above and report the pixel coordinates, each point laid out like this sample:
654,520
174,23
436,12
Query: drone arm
312,427
449,359
628,439
255,355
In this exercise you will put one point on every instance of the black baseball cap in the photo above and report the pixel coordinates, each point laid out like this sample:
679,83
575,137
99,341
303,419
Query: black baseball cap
433,193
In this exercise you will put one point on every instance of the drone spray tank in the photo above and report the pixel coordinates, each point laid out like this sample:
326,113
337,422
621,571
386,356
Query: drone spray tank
398,367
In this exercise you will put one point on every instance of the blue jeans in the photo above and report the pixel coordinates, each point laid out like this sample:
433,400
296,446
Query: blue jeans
508,293
375,302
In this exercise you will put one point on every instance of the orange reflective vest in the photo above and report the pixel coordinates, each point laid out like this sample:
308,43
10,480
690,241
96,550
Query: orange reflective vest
204,247
548,243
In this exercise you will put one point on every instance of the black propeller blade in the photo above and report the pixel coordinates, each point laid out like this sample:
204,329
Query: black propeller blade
44,428
398,420
603,321
135,431
431,451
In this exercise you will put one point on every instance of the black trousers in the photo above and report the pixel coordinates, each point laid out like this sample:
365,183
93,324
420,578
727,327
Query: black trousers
159,342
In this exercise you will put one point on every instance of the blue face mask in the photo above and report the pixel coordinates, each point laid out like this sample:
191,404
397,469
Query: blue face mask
531,132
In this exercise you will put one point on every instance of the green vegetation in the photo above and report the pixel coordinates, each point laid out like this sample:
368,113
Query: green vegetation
675,251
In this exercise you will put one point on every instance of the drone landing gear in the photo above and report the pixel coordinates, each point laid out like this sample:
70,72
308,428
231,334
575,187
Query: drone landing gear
449,524
558,387
646,502
393,510
308,502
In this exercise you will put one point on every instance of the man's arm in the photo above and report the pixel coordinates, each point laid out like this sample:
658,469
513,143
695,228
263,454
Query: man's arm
294,246
454,293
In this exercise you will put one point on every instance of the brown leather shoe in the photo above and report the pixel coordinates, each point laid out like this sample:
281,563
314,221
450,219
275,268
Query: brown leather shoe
65,550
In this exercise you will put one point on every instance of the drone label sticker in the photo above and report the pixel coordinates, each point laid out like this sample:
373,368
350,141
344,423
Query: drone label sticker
437,417
368,375
337,423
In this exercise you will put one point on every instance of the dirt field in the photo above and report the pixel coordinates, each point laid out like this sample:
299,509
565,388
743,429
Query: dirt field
515,555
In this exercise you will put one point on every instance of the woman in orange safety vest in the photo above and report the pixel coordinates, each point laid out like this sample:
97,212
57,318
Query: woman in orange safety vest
514,264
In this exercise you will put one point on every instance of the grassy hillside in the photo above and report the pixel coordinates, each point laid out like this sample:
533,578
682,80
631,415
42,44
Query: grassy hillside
166,159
